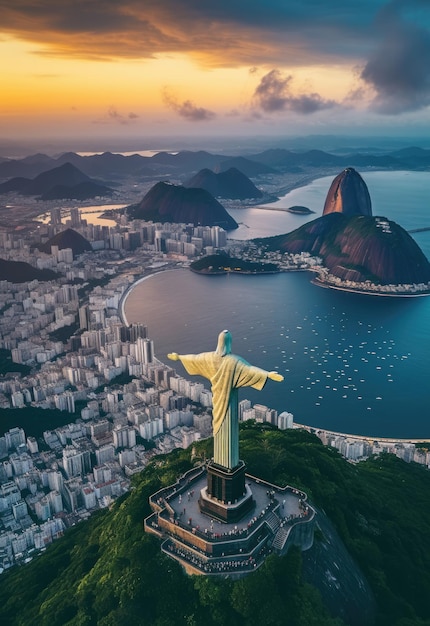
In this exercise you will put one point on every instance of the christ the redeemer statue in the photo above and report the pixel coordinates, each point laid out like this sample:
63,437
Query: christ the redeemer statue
226,372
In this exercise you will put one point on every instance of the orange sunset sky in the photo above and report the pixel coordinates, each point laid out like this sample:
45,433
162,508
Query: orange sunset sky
74,69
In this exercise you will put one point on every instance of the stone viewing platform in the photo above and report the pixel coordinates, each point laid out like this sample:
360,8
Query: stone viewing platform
279,517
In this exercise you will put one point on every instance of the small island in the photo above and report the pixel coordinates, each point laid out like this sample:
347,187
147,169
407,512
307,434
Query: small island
221,264
299,210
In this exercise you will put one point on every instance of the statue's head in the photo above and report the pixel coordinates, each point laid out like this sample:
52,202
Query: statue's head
224,343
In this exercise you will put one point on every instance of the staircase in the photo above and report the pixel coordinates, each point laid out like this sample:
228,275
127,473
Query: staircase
280,539
273,521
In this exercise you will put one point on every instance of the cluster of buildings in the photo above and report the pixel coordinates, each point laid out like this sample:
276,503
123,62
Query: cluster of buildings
129,405
48,484
359,448
286,261
325,278
179,239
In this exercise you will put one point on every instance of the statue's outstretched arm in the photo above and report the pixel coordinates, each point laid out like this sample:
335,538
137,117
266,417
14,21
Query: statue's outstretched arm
275,376
173,356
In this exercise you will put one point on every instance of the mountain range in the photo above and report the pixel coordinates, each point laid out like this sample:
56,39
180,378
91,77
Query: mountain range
118,166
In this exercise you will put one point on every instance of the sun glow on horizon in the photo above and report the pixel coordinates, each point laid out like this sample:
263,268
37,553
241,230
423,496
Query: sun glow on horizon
178,68
37,85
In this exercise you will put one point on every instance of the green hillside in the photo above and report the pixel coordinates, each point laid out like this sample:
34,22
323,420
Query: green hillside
221,263
108,572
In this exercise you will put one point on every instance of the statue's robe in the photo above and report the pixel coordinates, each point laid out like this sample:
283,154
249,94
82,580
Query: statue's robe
226,373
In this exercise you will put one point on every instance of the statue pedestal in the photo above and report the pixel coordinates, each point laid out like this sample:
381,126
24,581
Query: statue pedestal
226,498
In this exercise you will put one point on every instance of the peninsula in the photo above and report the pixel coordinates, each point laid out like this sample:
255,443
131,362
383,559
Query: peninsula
357,251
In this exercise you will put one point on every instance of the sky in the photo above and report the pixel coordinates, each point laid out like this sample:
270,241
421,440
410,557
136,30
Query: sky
136,69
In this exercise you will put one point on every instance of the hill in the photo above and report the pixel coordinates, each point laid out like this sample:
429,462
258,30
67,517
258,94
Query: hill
81,191
65,181
282,159
231,184
187,160
222,264
286,160
108,572
166,202
244,165
68,238
106,164
358,248
21,272
348,194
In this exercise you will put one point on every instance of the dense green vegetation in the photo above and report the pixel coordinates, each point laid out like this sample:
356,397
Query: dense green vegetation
34,420
21,272
108,572
63,334
216,263
7,365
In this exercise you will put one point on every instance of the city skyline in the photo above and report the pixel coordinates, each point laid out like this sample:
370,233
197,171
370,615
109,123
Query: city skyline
124,72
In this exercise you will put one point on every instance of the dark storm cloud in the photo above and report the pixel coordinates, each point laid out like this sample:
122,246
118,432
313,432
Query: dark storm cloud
399,68
187,109
274,94
219,33
388,38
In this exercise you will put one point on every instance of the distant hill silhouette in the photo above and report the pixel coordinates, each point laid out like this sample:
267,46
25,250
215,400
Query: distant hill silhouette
186,162
359,248
20,272
66,179
166,202
68,238
348,194
285,159
28,167
106,164
231,184
246,166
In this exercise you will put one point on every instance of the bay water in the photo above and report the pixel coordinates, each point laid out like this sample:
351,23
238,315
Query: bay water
352,363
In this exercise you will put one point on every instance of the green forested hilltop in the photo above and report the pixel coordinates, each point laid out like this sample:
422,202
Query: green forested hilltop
220,263
108,572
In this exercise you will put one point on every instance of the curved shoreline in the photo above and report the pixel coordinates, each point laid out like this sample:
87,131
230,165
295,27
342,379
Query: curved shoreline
228,272
365,292
386,439
393,440
127,292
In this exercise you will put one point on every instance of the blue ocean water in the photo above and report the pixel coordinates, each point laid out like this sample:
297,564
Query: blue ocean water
352,363
403,197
